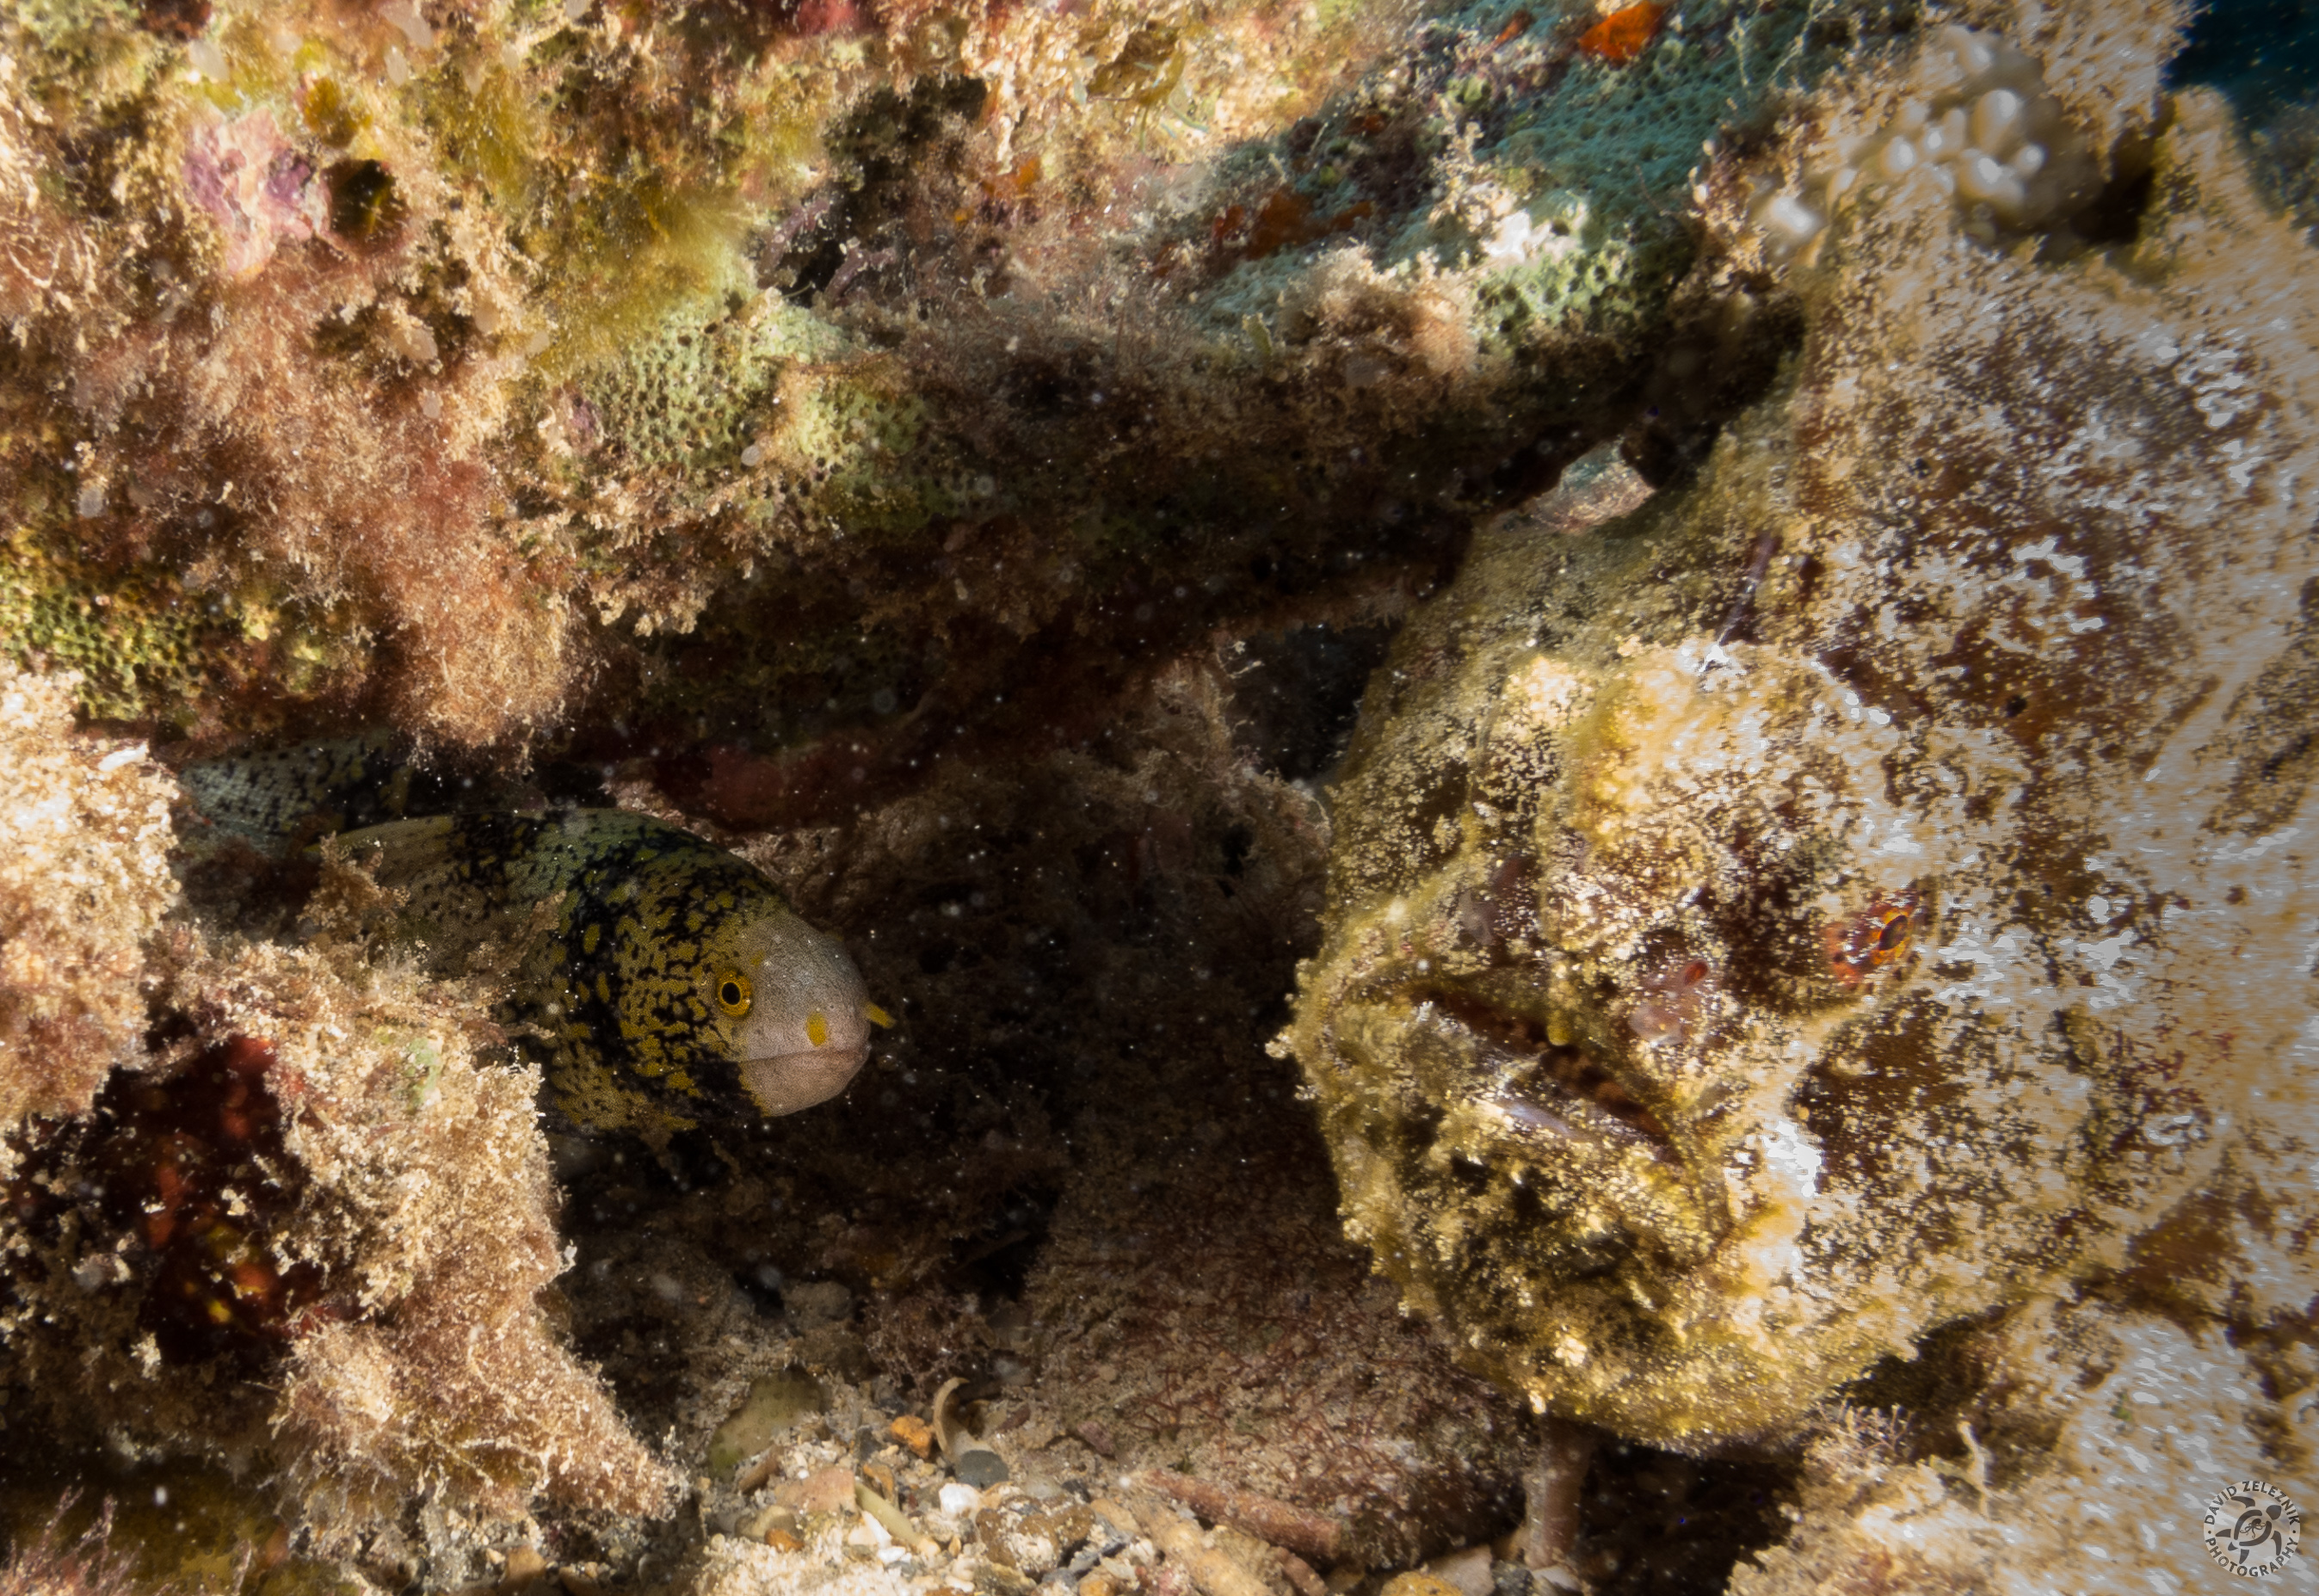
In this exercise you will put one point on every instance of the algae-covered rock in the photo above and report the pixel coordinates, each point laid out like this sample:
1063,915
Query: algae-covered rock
2167,1417
1854,892
775,1402
442,365
84,883
315,1227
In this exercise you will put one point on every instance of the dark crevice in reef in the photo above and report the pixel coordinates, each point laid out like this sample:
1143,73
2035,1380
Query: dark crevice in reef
1721,355
186,1175
893,149
1655,1523
2264,54
994,1263
980,690
2114,216
1298,694
997,637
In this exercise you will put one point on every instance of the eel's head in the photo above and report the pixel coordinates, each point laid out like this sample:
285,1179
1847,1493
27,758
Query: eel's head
791,1008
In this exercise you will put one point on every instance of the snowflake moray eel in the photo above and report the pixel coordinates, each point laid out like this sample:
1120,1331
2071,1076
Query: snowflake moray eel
668,984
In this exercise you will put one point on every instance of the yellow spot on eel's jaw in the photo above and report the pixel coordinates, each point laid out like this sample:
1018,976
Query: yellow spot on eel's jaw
877,1016
816,1029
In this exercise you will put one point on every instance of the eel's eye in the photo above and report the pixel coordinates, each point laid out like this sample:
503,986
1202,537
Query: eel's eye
733,993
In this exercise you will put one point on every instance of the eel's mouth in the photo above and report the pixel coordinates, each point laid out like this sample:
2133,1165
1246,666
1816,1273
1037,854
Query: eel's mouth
784,1083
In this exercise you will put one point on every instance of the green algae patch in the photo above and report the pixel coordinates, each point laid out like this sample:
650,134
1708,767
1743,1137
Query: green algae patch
1578,206
626,253
690,396
178,1525
146,646
626,215
776,1403
133,642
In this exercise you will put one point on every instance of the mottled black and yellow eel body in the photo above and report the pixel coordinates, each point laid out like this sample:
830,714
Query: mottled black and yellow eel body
665,984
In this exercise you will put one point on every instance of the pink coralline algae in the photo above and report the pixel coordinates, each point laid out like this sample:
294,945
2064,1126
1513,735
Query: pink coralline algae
257,189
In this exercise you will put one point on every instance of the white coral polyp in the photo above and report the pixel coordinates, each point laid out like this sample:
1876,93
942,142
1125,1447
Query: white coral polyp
1989,136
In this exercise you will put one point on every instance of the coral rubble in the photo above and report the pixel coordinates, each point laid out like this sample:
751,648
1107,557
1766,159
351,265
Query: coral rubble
1858,892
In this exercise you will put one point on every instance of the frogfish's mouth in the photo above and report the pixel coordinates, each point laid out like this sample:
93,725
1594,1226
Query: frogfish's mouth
1556,1088
1582,1139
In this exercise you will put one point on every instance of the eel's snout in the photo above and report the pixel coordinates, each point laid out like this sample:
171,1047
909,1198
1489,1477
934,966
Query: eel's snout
809,1031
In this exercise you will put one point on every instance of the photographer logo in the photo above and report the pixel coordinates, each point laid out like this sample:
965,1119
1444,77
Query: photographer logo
2253,1529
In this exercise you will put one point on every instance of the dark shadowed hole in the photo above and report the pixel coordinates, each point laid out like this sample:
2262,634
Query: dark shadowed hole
1300,692
1657,1524
363,206
2115,215
996,1262
2262,53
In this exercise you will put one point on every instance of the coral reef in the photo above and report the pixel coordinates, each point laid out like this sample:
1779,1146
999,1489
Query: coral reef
389,361
1852,894
1814,998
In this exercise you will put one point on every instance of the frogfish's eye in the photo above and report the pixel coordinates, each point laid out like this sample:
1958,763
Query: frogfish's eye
733,993
1867,942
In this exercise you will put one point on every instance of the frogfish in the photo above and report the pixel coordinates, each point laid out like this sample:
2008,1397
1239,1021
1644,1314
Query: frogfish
660,981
